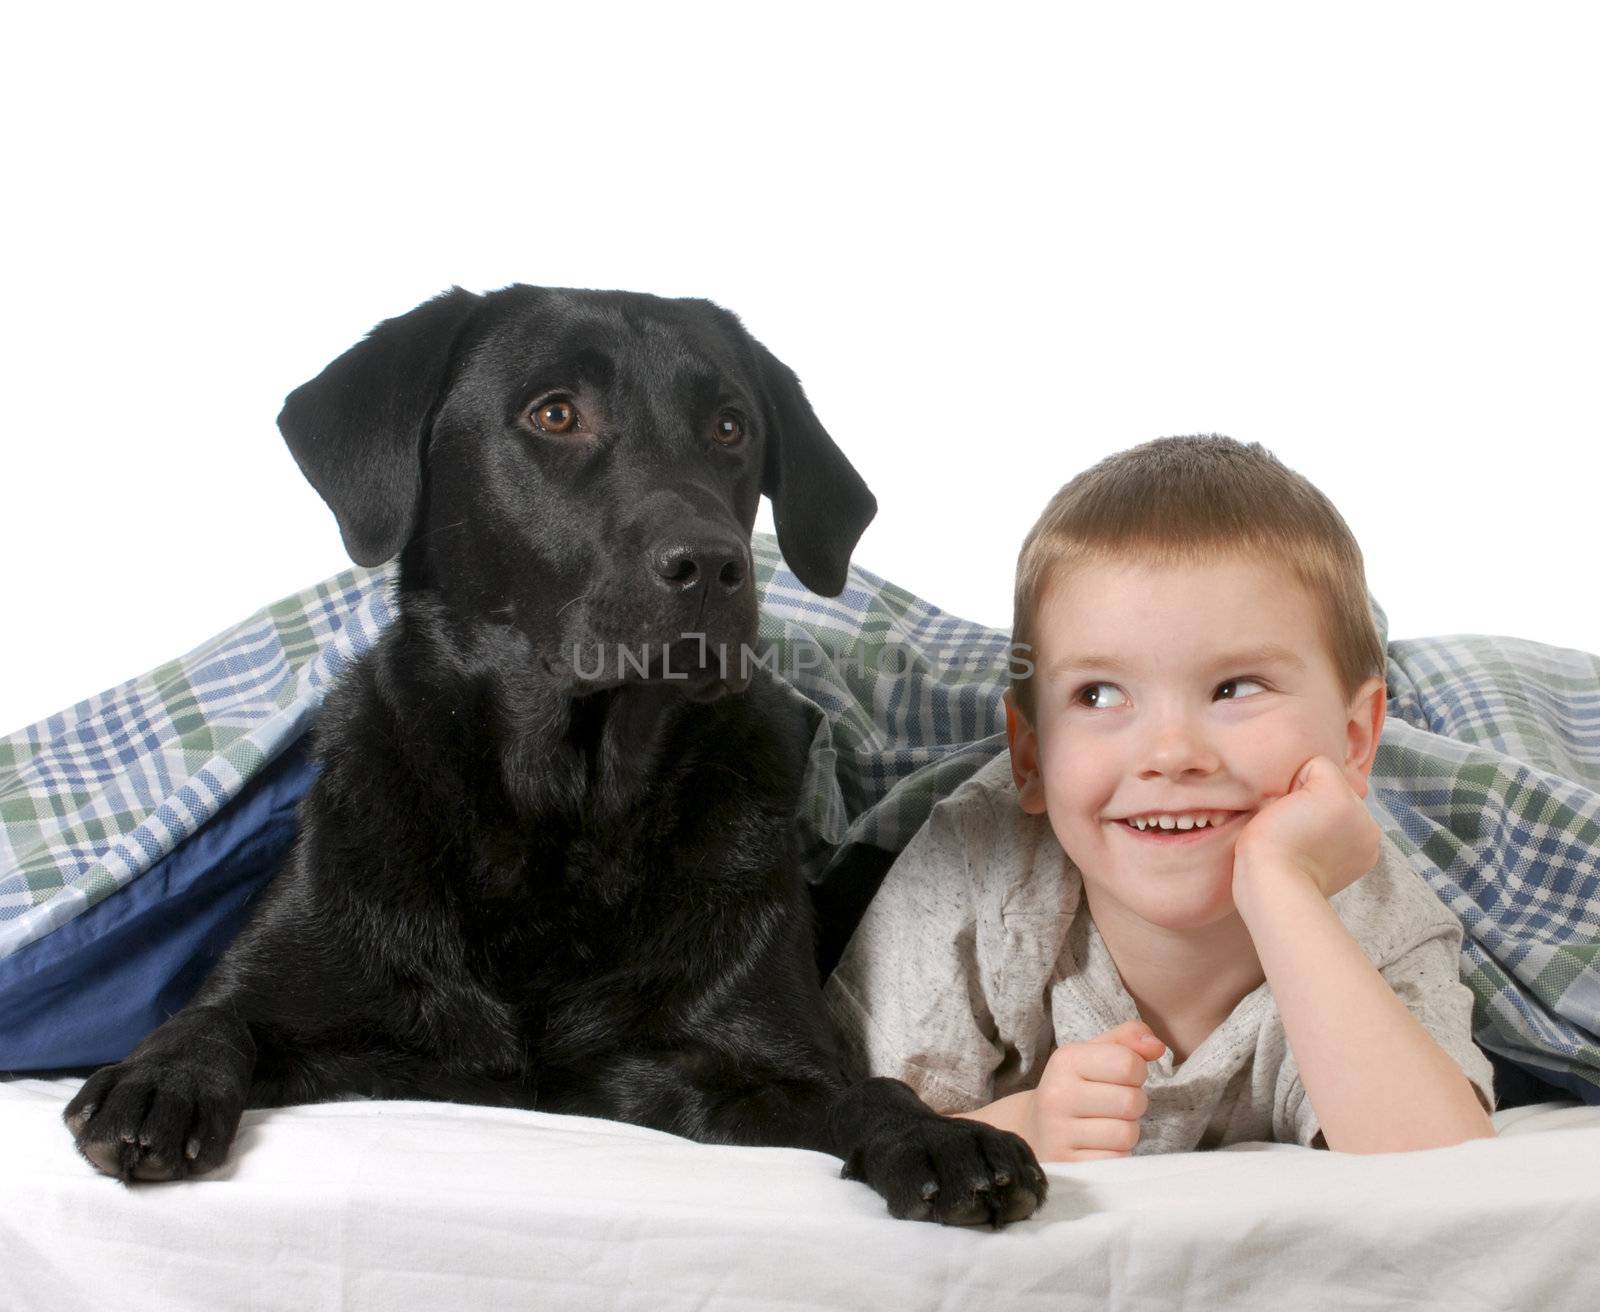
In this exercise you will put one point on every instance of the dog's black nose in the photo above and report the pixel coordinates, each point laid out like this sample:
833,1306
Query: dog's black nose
717,561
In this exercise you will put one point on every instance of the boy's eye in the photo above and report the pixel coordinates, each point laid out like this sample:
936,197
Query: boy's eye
1100,695
1233,689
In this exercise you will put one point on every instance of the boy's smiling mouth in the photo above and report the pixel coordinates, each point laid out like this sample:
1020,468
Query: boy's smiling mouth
1176,826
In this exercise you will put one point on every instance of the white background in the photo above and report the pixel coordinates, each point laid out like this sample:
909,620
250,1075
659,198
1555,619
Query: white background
995,242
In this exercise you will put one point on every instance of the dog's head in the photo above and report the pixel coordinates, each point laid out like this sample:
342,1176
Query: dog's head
584,467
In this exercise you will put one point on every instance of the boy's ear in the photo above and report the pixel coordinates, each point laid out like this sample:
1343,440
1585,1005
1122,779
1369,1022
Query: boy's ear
1363,730
1024,757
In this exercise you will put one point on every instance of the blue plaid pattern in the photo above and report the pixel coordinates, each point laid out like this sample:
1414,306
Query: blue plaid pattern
1488,776
93,796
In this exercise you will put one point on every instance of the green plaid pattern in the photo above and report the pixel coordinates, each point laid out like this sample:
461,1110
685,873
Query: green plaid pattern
93,796
1488,776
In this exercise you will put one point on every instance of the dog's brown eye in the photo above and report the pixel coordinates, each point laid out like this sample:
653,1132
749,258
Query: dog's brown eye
555,417
729,428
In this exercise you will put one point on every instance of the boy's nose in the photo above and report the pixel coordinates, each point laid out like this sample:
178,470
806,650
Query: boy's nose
1177,746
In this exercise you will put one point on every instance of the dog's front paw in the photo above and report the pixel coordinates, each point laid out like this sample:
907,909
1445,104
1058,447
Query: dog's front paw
154,1118
952,1171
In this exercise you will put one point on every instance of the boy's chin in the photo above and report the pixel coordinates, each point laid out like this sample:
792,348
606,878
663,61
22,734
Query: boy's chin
1186,920
1176,888
1173,911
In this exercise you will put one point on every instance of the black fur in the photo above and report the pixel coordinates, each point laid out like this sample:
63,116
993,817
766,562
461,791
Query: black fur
529,873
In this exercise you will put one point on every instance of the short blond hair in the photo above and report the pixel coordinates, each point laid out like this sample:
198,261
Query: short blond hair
1182,500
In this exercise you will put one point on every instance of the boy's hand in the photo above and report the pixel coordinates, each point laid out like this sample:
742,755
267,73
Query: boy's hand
1319,828
1090,1098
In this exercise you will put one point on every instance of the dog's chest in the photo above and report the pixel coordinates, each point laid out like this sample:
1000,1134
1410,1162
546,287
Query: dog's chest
616,921
601,904
556,895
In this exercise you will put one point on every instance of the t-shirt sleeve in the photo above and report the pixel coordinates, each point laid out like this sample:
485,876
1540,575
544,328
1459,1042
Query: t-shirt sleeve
906,996
1293,1118
1427,978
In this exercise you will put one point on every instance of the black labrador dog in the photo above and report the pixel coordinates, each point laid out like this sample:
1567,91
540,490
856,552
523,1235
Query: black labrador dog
547,861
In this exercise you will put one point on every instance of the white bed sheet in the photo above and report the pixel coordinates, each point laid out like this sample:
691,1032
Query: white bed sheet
405,1205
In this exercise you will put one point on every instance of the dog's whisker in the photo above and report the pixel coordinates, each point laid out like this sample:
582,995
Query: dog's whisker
437,529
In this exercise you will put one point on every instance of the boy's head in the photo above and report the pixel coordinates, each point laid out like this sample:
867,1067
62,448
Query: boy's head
1198,623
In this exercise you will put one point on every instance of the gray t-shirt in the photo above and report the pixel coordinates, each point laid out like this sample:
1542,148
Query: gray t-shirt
978,957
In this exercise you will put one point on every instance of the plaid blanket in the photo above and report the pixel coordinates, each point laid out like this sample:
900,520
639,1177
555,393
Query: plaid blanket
1488,776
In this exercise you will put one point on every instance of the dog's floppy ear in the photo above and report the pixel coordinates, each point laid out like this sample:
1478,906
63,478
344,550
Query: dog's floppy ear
819,502
357,428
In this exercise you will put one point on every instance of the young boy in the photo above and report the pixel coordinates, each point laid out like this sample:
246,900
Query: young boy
1168,921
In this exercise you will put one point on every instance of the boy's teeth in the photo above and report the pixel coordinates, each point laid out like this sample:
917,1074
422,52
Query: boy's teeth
1172,822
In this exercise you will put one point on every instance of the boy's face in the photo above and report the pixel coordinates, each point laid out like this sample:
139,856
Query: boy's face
1193,691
